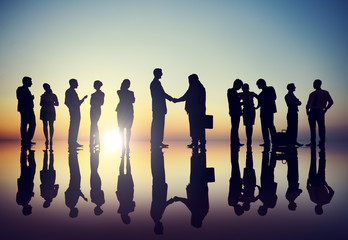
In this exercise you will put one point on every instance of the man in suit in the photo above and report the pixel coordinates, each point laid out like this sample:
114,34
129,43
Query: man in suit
159,109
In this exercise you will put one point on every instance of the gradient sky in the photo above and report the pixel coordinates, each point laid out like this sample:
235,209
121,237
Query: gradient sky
280,41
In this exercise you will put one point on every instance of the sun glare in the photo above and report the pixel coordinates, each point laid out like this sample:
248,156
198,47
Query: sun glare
112,140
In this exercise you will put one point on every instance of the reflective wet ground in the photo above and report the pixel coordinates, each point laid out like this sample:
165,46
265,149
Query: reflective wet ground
173,193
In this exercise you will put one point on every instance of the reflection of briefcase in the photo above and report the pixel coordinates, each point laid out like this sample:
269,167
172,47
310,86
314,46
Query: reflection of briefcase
210,175
208,121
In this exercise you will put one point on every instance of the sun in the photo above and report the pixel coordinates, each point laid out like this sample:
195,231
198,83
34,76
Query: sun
112,140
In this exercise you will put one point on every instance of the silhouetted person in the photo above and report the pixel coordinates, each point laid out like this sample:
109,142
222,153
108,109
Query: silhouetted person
292,117
159,109
73,193
97,100
235,110
125,191
125,112
318,103
159,189
248,111
195,107
235,190
268,189
25,182
97,194
48,188
73,102
26,109
249,182
268,107
293,190
48,102
319,191
197,200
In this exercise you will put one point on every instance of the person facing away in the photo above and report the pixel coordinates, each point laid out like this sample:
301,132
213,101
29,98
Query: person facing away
159,109
268,107
48,101
26,109
292,117
195,98
73,102
97,100
235,110
248,111
125,111
318,103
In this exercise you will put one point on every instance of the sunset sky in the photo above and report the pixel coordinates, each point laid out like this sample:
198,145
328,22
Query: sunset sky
280,41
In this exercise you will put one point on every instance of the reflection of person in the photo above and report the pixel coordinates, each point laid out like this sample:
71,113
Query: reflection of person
48,188
235,110
159,109
48,113
195,107
97,100
318,103
292,117
97,194
248,111
293,190
25,182
73,193
268,107
73,102
159,189
197,200
125,192
26,109
319,191
125,112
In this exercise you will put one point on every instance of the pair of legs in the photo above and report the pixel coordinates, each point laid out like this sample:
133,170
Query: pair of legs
28,125
197,129
45,130
75,118
128,136
235,120
317,116
292,118
157,128
94,133
249,133
267,126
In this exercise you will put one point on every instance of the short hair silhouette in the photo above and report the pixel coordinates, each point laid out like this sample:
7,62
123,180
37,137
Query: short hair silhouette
261,83
193,77
157,72
72,81
290,86
26,80
237,83
97,84
317,83
245,87
318,209
125,84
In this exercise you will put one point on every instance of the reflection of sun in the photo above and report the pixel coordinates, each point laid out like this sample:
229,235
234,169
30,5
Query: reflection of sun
112,140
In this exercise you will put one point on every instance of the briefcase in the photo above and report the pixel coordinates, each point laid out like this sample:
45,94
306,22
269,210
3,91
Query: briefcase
208,121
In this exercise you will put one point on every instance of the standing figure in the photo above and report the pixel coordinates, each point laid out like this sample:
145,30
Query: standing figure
48,112
235,110
97,100
159,109
248,111
26,109
292,117
125,112
195,107
318,103
268,107
73,102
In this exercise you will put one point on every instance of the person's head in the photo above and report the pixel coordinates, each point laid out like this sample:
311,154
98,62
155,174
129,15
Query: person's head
98,211
318,209
193,79
73,83
157,72
74,212
97,84
125,84
26,210
238,210
47,87
125,218
262,210
261,83
292,206
158,228
291,87
245,87
196,221
317,84
27,81
46,204
246,206
237,84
